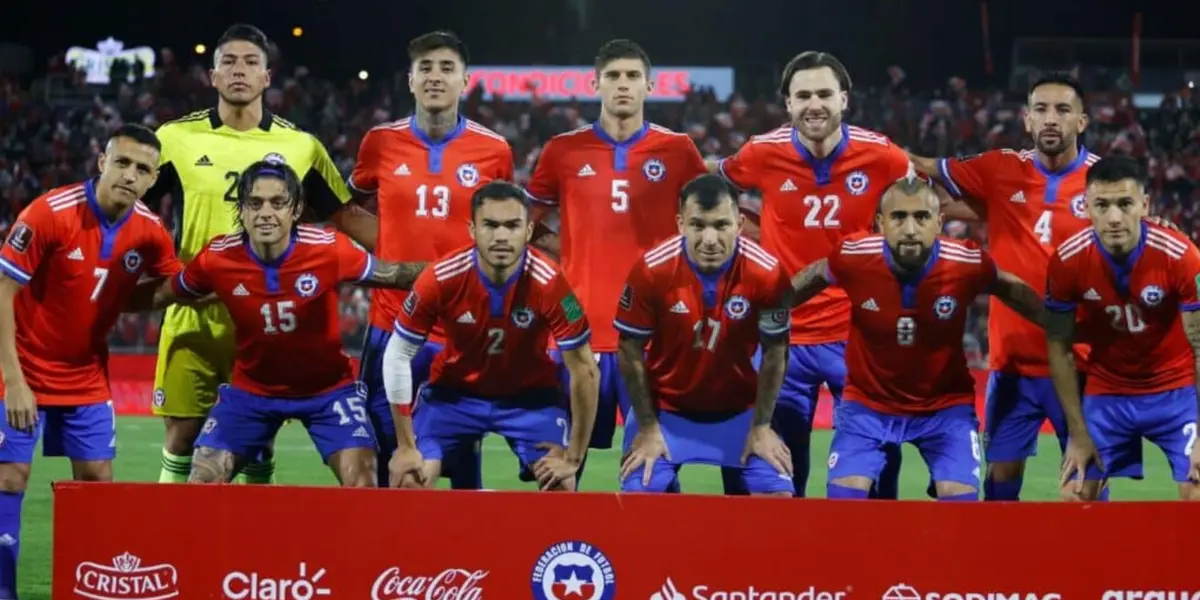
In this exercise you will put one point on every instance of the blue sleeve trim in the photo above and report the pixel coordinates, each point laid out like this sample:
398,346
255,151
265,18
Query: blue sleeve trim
628,329
575,342
14,272
412,336
943,167
829,275
185,287
1190,307
368,270
1059,306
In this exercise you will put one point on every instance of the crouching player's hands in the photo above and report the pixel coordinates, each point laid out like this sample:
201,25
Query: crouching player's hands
407,468
555,470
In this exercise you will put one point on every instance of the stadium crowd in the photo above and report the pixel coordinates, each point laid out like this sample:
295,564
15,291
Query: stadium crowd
50,130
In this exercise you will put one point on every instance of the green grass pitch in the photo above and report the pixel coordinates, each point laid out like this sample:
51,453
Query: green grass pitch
140,441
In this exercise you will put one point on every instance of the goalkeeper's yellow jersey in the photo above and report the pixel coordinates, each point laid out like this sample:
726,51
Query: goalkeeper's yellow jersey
202,160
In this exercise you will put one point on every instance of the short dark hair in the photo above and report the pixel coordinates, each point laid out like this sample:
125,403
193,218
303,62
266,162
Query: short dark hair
137,133
267,168
709,191
498,190
618,49
437,40
1117,167
813,59
1060,78
910,185
244,32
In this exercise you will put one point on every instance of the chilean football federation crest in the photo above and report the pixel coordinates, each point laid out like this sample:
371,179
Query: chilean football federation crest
857,183
737,307
275,158
1079,206
132,261
306,285
522,317
573,570
1152,295
468,175
654,170
944,307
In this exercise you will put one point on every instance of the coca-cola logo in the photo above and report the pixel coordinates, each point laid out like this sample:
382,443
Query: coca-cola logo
126,579
451,584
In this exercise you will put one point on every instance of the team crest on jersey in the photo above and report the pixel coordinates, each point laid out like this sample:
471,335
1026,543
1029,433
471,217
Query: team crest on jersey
468,175
275,158
522,317
132,261
1079,206
160,397
209,425
654,170
857,182
573,569
1152,295
944,307
737,307
306,284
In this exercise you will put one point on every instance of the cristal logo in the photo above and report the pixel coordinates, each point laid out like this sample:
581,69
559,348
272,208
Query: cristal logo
126,579
255,586
902,591
451,584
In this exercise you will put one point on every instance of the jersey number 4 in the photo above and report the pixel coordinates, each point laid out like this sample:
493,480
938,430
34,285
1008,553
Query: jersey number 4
1044,228
822,212
278,317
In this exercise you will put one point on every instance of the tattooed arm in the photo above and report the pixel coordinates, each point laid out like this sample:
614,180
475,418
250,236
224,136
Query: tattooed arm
1191,328
394,275
1060,337
210,465
810,282
1018,296
631,360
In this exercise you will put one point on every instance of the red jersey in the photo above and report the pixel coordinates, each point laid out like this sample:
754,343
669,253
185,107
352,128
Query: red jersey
905,354
616,200
424,189
285,312
497,337
809,204
704,328
79,271
1029,212
1129,311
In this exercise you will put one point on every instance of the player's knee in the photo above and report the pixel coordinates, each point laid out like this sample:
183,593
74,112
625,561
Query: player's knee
779,494
954,489
210,465
356,468
92,470
1006,471
1088,492
14,477
1189,492
181,434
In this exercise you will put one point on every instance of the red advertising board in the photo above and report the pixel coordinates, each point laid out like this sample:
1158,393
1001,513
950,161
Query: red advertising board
152,541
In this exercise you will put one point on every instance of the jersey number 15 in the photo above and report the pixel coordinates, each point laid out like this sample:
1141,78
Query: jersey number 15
278,317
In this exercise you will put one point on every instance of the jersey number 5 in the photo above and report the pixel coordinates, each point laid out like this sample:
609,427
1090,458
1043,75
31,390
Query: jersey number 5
279,317
620,197
822,212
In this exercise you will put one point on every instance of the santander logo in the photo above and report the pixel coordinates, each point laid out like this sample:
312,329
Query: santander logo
451,584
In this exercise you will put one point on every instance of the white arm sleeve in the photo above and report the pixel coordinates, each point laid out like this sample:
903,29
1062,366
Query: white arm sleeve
397,370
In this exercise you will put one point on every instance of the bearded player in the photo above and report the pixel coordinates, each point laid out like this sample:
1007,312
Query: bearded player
70,265
821,180
691,316
1032,200
499,303
1133,287
203,155
280,282
907,378
423,169
614,187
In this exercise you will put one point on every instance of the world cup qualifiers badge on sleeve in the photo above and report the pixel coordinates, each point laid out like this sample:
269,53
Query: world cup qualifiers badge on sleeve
573,570
21,236
627,295
571,308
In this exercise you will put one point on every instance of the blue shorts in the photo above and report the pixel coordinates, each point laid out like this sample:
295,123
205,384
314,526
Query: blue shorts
809,367
1118,424
1016,408
703,439
87,432
371,375
243,423
446,422
614,396
948,440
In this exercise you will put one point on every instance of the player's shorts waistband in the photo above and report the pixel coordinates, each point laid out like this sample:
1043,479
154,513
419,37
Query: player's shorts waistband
532,398
701,416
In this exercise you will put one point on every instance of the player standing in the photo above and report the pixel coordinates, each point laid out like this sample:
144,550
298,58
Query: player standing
1130,284
1033,200
499,303
615,186
907,378
70,265
691,316
424,169
203,155
280,282
821,179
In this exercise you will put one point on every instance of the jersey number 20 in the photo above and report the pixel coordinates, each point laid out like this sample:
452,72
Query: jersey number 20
278,317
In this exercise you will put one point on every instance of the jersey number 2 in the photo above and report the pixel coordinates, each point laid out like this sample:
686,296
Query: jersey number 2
495,341
822,212
279,317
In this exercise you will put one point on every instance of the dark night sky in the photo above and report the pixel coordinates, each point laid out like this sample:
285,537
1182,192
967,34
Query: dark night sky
929,38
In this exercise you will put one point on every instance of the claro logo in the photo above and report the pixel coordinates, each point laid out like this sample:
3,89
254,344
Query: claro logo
239,585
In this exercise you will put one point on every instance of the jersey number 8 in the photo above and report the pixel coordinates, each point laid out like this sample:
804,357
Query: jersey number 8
906,331
279,317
